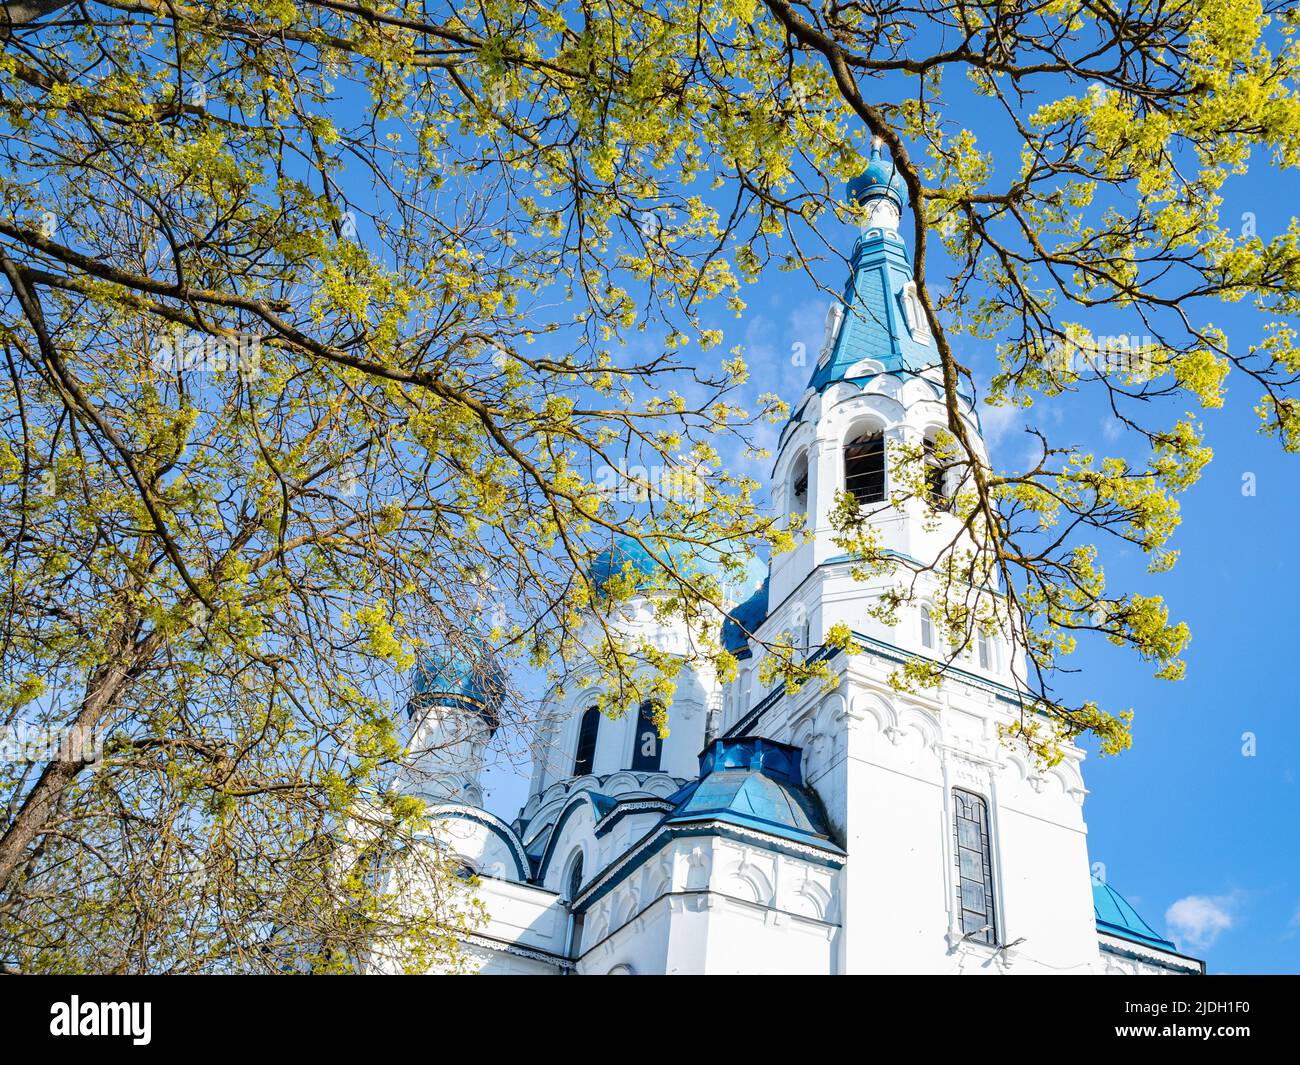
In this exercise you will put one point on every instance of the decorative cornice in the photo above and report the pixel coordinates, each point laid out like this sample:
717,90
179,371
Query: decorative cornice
631,806
1113,944
502,946
615,872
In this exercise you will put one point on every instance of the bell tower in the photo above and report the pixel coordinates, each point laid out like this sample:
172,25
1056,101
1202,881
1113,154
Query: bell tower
876,387
964,855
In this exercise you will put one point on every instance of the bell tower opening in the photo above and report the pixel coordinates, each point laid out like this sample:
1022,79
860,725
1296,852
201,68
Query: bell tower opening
799,485
864,467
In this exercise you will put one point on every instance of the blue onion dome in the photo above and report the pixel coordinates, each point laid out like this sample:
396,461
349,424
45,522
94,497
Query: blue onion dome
466,674
743,620
881,178
627,557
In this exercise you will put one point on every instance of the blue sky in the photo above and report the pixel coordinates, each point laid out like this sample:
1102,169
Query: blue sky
1188,813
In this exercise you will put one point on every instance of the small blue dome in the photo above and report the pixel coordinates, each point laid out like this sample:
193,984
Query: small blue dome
460,676
881,178
743,620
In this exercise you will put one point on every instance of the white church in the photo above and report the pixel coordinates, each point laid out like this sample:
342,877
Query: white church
856,831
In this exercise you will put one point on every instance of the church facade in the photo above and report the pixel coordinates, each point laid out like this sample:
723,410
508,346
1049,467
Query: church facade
857,830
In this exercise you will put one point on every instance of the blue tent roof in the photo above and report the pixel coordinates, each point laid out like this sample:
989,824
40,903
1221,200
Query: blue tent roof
1117,917
875,325
465,674
754,783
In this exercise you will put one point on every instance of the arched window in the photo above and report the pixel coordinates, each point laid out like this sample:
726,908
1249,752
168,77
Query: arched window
573,885
916,319
799,485
936,477
985,651
974,857
927,628
585,759
648,747
864,468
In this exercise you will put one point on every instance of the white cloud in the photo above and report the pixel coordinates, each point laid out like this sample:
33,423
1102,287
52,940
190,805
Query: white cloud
999,422
1198,920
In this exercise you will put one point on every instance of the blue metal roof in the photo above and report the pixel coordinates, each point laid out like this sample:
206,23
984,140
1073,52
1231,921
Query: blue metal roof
875,326
749,614
755,783
1118,918
881,178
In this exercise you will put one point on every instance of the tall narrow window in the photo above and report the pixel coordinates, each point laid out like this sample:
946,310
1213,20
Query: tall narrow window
575,879
936,478
585,759
974,853
927,627
985,651
916,320
649,747
799,486
864,468
572,888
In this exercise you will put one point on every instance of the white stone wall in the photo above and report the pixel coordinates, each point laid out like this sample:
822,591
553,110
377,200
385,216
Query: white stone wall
714,905
885,764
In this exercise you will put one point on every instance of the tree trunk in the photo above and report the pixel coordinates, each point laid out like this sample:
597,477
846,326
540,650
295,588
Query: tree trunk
33,815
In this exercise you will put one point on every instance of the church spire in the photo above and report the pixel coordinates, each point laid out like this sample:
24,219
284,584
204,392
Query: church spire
879,326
